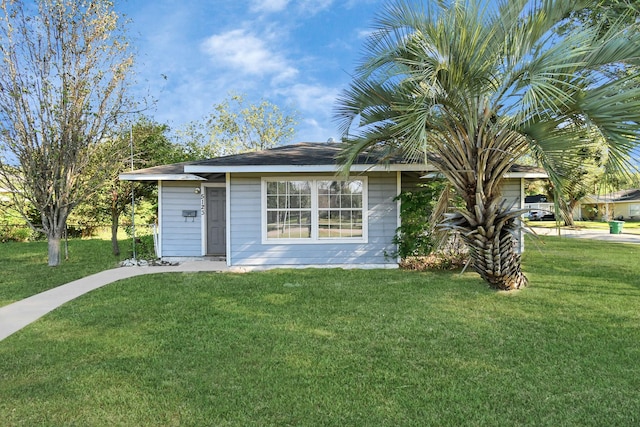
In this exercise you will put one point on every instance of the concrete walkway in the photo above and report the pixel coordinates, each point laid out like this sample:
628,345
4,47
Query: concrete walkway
16,316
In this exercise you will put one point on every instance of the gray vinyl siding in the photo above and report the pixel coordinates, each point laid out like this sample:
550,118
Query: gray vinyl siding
511,192
183,238
247,248
411,181
180,237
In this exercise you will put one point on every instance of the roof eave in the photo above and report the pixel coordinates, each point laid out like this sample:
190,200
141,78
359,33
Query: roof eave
160,177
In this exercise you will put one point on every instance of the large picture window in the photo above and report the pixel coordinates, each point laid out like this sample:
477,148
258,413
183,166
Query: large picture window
314,210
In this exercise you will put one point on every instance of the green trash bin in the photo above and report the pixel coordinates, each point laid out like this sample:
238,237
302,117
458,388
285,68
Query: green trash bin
615,227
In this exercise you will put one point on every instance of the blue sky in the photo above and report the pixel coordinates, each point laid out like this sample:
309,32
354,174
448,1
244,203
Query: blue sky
294,53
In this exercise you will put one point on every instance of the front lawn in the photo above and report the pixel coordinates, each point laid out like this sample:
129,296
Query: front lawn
25,271
341,348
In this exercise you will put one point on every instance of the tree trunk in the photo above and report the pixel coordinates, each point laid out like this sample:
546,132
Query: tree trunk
115,217
476,162
568,213
54,226
489,232
53,241
497,261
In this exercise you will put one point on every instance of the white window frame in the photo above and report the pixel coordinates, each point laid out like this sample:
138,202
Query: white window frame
634,209
315,239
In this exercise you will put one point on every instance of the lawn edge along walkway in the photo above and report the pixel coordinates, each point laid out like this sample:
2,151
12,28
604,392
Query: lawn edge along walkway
17,315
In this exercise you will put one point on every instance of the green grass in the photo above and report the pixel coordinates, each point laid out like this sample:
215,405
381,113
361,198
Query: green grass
25,271
334,347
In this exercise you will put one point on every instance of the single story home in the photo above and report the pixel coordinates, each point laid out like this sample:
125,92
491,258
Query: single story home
624,204
289,206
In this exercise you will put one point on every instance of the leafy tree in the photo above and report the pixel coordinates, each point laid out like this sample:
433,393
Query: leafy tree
236,126
602,13
152,147
580,180
476,85
65,70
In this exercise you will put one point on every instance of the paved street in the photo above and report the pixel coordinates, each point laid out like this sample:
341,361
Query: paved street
589,234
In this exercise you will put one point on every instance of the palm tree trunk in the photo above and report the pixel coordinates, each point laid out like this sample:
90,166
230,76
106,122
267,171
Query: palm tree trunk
494,250
497,259
486,225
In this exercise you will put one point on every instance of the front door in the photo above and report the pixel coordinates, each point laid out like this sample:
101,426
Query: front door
216,221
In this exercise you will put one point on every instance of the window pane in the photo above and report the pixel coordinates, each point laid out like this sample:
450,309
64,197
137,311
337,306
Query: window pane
356,201
323,187
334,201
323,201
288,210
273,225
294,201
355,230
305,201
299,187
305,225
340,209
288,224
355,187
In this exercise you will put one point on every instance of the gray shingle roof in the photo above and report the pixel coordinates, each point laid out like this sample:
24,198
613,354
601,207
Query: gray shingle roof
632,195
294,155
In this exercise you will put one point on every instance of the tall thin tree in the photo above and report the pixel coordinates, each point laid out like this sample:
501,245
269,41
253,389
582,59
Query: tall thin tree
476,84
64,72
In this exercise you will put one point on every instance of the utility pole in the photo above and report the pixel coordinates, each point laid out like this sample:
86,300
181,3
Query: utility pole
133,200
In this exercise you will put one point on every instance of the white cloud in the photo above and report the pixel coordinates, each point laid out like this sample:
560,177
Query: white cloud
312,131
269,5
249,54
312,98
315,6
364,34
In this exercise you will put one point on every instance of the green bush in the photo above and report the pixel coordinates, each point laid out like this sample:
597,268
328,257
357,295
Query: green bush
412,237
145,248
16,233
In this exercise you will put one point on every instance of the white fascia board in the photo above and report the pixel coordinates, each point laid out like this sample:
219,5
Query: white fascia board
160,177
305,168
529,175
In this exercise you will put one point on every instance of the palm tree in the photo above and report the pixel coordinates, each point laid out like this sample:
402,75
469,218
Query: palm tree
472,86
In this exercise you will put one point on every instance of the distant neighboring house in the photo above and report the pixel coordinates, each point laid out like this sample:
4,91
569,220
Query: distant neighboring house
289,207
5,194
624,204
